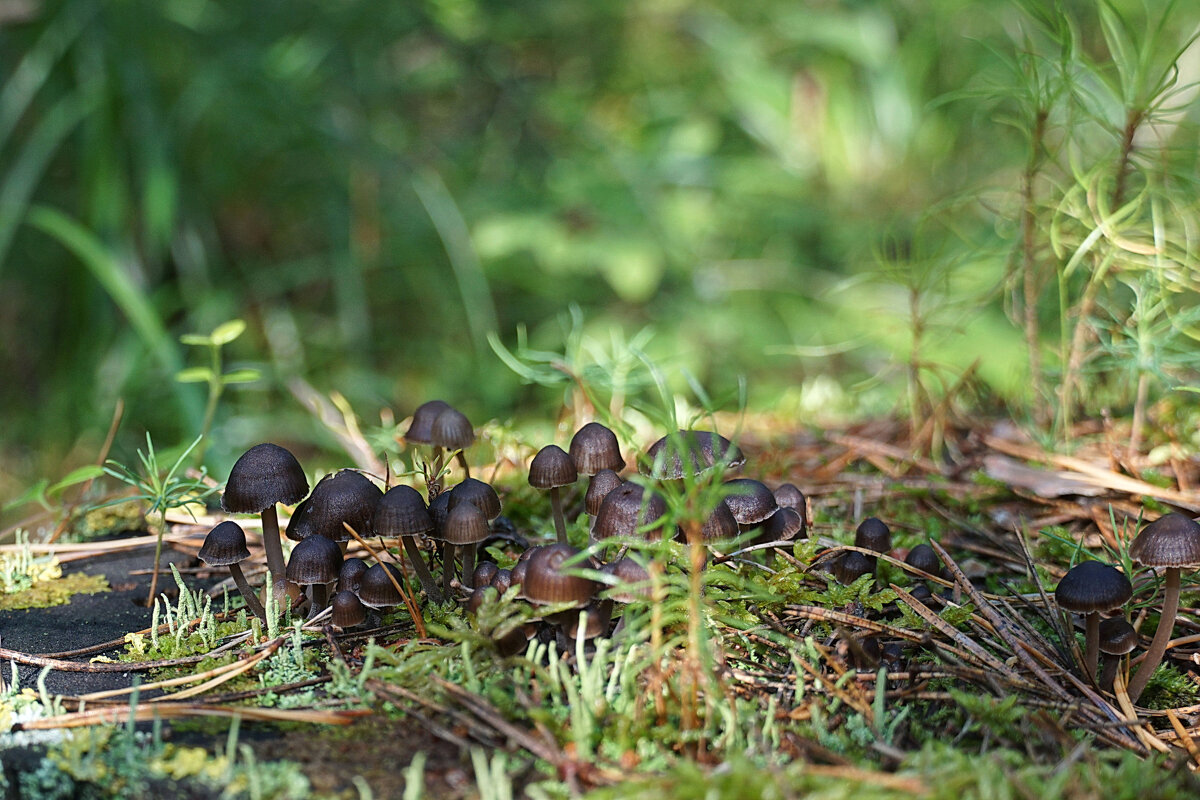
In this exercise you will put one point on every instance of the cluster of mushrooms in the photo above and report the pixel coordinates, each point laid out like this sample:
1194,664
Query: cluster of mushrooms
445,530
1170,543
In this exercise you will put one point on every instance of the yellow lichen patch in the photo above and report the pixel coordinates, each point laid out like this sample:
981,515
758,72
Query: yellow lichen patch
54,592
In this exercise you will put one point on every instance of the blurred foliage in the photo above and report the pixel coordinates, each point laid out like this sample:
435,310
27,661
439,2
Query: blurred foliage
376,188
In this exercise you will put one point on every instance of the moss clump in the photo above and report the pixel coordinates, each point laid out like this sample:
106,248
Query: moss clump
53,592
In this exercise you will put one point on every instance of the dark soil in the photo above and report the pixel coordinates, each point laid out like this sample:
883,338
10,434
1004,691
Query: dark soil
376,748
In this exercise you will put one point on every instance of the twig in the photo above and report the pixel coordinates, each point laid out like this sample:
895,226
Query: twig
409,603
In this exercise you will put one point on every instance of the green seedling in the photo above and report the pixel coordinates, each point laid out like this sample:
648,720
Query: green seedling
214,373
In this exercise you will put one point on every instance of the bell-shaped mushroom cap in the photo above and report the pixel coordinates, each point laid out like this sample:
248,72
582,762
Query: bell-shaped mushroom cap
599,486
314,560
502,580
633,581
401,511
594,448
631,512
596,620
465,524
873,534
478,494
348,610
482,593
547,581
552,467
439,507
344,496
689,453
1117,636
750,501
376,590
784,525
517,576
420,430
787,495
852,565
350,575
923,557
1091,586
264,475
224,545
484,572
720,525
1172,540
452,430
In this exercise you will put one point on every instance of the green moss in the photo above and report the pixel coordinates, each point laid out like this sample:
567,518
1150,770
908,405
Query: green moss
54,592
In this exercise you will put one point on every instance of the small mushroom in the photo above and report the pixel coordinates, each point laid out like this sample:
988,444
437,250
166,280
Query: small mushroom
315,563
350,575
873,534
751,502
689,453
551,469
1117,638
401,513
225,546
376,589
1171,543
853,565
348,610
594,448
1089,588
923,557
466,527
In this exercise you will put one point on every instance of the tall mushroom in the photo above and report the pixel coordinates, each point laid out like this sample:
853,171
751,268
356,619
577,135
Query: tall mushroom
264,475
401,512
1171,542
550,469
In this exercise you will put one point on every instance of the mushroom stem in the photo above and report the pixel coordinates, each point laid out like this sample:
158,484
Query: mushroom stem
560,526
319,595
468,564
447,568
1110,672
270,533
1158,646
462,461
1091,654
243,586
422,569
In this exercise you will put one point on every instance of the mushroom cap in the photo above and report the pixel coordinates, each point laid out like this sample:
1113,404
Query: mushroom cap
350,575
1172,540
314,560
599,486
401,511
873,534
224,545
547,581
633,581
598,616
594,448
262,476
750,501
452,430
627,510
482,593
784,525
439,507
788,495
465,524
344,496
853,565
375,590
483,574
420,430
517,575
477,493
689,453
348,610
1092,586
1117,636
924,558
502,580
720,525
551,468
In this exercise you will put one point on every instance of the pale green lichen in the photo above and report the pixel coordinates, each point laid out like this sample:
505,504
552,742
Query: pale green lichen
55,592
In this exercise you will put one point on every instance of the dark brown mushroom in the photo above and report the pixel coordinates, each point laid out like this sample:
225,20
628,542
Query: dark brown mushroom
551,469
315,563
263,476
1089,588
348,610
225,546
401,512
1117,638
594,448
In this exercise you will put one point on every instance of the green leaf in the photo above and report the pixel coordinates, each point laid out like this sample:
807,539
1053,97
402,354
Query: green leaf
226,332
241,376
81,475
197,339
194,375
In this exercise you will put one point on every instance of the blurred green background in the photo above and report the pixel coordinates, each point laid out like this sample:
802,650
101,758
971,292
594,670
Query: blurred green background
374,187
